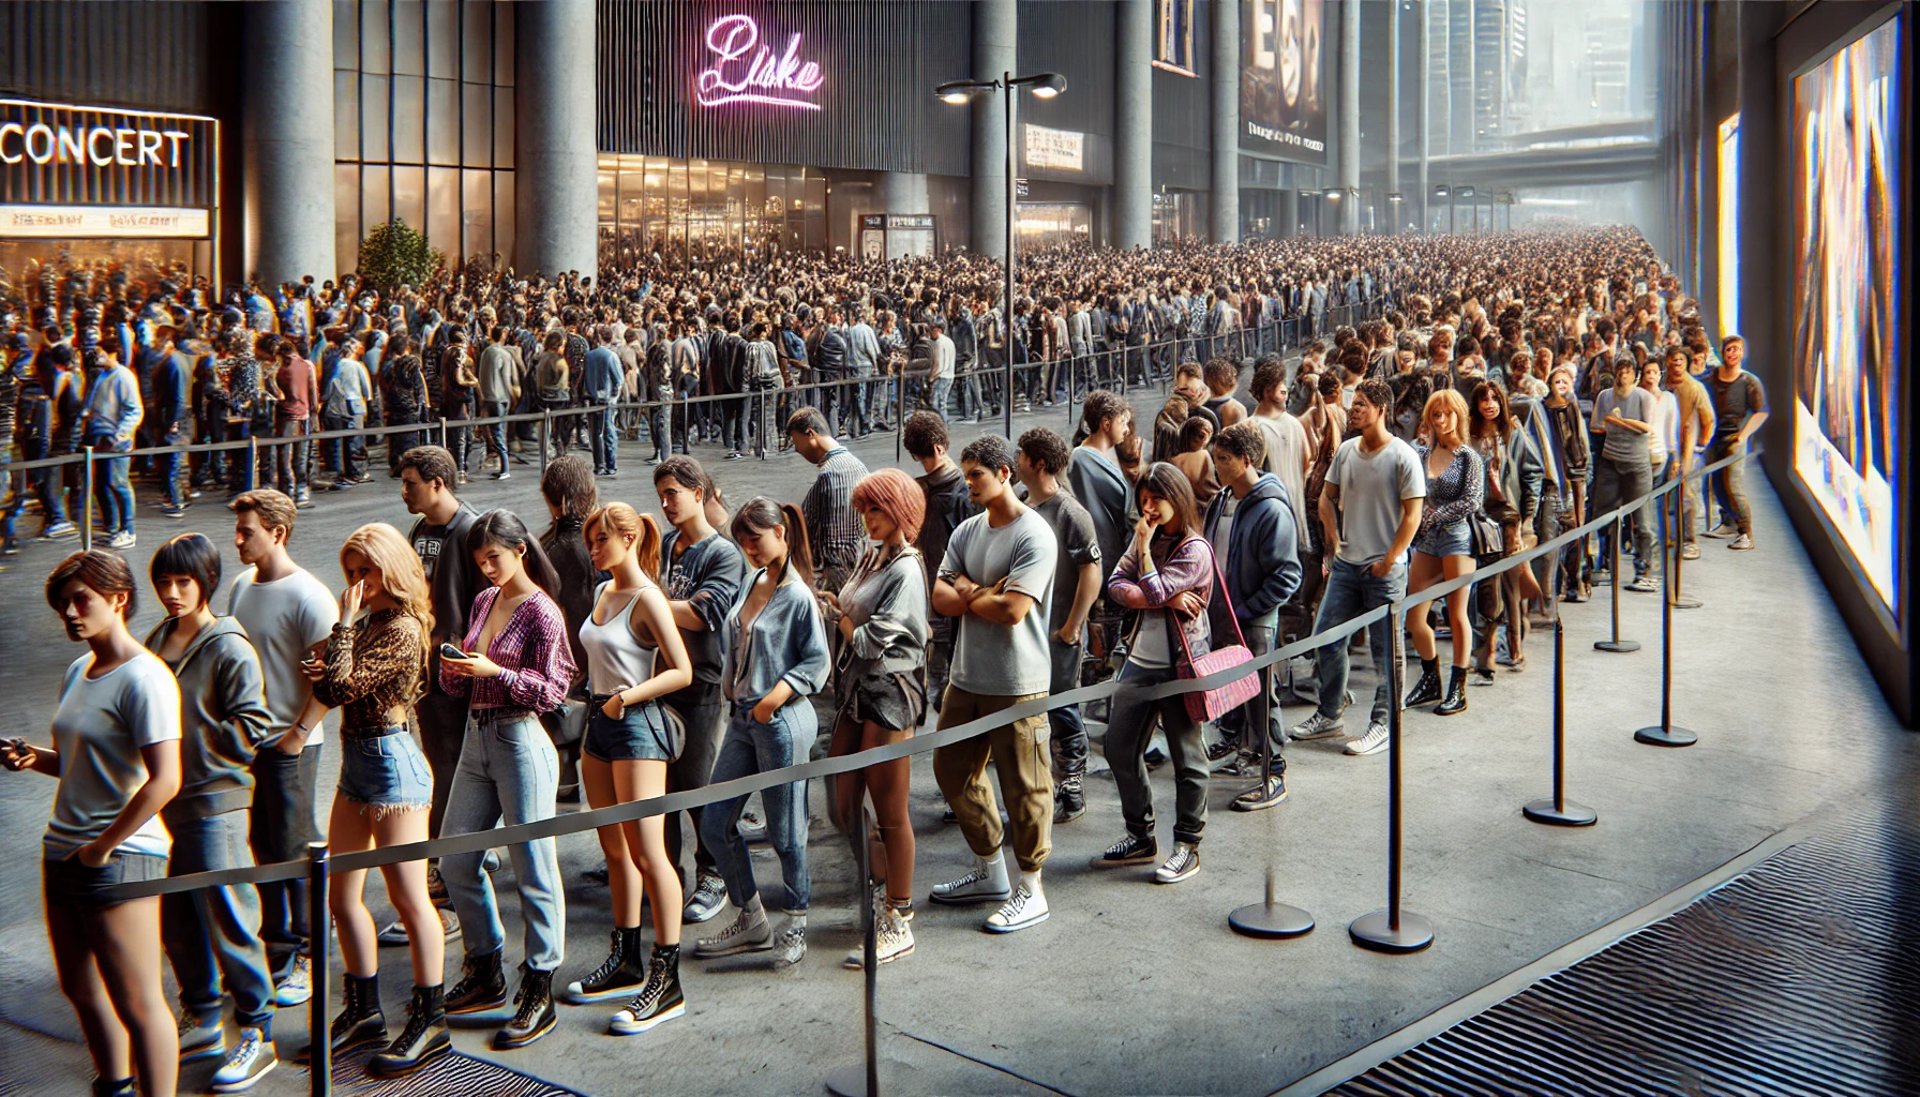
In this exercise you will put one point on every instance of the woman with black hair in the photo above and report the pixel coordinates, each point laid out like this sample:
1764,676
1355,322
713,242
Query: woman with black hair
116,754
518,664
1167,574
212,934
776,659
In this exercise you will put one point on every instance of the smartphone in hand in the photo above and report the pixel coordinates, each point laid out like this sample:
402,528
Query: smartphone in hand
448,651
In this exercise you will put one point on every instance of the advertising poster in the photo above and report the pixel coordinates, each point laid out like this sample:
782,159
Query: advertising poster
1283,91
1847,378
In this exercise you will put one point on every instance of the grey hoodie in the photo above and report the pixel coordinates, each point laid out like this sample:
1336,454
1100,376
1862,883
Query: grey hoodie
223,718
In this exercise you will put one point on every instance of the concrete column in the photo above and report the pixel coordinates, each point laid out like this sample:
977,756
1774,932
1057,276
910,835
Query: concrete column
287,142
1425,136
904,192
1133,121
996,27
1393,213
1225,214
1289,212
1347,205
556,161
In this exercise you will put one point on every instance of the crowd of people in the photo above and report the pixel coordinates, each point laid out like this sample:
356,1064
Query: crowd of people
1509,387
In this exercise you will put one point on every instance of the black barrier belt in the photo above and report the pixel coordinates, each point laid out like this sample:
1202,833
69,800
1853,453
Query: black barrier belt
576,822
429,426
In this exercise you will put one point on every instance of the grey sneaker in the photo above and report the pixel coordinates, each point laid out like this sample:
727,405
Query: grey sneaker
709,895
790,947
250,1062
1316,727
1742,543
1643,584
985,883
748,932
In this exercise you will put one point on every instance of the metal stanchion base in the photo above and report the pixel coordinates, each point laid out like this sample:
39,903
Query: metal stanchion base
1270,921
1672,736
1568,814
1618,647
1683,602
1372,931
849,1080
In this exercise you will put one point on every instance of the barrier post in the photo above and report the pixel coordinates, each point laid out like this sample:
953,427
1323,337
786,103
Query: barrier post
253,461
546,437
1681,527
443,433
1559,811
1665,734
86,498
319,1040
1393,929
1269,920
1616,645
862,1079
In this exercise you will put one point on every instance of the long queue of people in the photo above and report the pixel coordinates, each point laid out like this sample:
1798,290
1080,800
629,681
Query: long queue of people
473,663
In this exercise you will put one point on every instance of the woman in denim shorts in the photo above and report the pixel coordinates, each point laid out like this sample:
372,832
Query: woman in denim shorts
1443,547
373,670
635,656
116,754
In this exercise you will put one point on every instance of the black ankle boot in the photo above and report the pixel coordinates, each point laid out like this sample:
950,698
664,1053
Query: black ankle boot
359,1022
1427,689
107,1087
534,1016
423,1040
1456,699
482,985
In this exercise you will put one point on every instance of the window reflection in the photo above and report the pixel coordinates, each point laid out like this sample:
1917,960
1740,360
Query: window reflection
698,208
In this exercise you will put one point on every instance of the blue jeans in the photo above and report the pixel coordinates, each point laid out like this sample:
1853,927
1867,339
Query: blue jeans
942,388
1351,591
751,748
214,933
508,770
1069,730
111,488
606,441
497,433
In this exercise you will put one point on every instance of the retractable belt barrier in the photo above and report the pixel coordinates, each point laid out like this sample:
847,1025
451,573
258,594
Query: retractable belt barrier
919,744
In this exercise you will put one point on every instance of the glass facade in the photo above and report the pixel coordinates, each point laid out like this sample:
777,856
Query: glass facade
704,207
423,123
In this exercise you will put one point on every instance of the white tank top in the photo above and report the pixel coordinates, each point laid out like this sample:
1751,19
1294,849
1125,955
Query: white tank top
616,657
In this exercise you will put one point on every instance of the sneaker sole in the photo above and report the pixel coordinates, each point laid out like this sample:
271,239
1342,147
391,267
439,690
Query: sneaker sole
1144,859
969,899
1261,804
1015,927
1187,875
477,1007
578,997
857,961
419,1065
206,1052
287,1001
696,917
1330,733
246,1083
731,950
518,1042
635,1028
1357,753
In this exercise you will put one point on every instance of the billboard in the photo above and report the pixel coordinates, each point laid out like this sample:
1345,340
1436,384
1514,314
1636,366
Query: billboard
1283,91
1847,157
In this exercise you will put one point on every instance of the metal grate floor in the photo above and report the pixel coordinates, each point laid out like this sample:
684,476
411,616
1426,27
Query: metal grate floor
1800,976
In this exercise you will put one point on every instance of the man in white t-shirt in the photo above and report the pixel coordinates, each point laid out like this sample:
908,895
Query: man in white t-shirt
286,612
998,578
1369,512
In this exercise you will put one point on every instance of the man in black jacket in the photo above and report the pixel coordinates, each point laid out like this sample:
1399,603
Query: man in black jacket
830,364
727,362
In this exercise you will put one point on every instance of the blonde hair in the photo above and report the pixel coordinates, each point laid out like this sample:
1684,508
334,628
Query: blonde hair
627,522
401,575
1450,399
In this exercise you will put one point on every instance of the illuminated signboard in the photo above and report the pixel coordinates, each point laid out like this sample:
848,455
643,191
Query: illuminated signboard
129,222
1061,150
741,69
54,154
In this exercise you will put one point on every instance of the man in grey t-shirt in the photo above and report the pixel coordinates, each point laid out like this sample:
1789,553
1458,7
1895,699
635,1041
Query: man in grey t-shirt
997,578
1623,471
1369,513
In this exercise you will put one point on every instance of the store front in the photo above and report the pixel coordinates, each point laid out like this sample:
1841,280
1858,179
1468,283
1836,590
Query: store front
105,193
656,204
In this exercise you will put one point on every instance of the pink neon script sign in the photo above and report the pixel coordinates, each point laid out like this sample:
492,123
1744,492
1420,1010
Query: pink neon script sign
744,71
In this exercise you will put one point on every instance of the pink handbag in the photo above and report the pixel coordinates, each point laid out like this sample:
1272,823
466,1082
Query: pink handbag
1208,705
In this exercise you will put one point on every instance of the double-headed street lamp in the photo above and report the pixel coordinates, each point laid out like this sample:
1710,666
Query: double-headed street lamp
1043,85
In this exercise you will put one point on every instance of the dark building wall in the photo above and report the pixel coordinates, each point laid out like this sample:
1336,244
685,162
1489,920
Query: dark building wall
146,56
1183,114
880,62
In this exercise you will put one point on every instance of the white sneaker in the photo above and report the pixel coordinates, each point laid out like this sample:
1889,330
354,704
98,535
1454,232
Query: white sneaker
1182,865
709,895
1316,727
297,987
250,1062
748,932
986,883
1373,742
1026,908
790,947
892,939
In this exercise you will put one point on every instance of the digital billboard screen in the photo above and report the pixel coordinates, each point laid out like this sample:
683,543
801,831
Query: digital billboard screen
1283,90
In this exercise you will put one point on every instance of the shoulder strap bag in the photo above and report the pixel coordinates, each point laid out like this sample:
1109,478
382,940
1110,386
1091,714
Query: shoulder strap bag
1211,704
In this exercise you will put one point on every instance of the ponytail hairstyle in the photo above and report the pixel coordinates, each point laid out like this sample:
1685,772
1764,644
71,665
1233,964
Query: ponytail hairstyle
759,514
624,520
504,528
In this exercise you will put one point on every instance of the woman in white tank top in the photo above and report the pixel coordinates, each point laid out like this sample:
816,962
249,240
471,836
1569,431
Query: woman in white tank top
634,657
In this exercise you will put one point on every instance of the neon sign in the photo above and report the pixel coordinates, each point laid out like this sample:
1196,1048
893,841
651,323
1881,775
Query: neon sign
744,71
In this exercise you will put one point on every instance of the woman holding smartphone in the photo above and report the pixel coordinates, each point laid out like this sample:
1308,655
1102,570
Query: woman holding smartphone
513,664
374,669
116,754
777,658
635,656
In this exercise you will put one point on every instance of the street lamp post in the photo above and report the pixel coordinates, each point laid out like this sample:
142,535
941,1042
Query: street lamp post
1474,207
1394,198
1044,85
